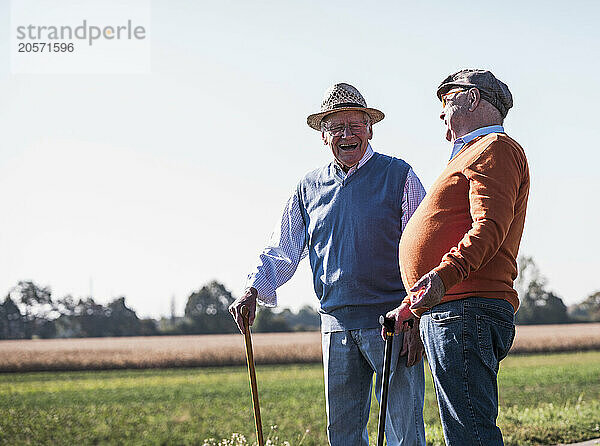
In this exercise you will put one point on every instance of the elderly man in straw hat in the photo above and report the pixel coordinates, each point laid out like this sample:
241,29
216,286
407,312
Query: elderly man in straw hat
347,217
458,256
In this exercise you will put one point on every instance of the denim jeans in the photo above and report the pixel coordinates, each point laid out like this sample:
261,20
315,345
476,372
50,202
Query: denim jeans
465,340
350,358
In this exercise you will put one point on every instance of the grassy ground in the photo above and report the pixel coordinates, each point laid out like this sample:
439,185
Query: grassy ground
545,399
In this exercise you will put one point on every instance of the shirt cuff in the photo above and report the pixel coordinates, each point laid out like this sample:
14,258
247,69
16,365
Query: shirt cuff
266,295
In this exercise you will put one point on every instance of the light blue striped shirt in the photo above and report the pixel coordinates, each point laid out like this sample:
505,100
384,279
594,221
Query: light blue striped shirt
459,143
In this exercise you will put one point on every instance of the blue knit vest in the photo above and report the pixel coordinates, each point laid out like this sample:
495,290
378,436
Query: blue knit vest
353,228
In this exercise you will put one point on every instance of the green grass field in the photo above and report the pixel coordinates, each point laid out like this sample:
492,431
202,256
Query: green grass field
545,399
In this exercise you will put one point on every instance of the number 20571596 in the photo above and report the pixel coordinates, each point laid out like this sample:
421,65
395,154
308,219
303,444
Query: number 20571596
39,47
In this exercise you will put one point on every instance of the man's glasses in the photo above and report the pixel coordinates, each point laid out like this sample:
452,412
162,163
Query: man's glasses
354,127
446,97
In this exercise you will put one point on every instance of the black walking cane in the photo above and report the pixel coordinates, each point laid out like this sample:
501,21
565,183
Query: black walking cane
389,327
252,374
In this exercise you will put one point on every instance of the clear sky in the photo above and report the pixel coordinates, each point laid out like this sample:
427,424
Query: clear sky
150,185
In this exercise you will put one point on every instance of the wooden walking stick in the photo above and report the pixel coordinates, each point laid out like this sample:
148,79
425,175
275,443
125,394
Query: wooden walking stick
252,374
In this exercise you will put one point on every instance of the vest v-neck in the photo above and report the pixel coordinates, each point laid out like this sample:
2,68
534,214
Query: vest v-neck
344,181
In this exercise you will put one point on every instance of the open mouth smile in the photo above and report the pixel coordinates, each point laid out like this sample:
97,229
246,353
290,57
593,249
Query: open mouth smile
348,147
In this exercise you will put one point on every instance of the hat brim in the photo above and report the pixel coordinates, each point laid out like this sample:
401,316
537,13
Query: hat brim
445,88
314,120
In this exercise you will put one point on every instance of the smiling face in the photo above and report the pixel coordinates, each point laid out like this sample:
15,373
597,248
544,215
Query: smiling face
347,133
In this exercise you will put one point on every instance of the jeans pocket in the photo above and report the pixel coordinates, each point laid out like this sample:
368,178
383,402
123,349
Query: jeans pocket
495,337
444,317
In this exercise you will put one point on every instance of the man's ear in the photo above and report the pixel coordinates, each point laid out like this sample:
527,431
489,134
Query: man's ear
369,125
324,137
474,99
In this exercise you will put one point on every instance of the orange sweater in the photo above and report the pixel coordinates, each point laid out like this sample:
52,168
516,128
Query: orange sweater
469,226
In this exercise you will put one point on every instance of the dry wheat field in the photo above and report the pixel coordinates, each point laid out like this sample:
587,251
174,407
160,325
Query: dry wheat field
212,350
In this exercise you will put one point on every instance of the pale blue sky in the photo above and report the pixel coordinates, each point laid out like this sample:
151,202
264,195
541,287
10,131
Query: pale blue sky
151,185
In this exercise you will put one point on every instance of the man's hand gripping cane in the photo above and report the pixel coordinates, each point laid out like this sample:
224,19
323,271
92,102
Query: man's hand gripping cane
426,293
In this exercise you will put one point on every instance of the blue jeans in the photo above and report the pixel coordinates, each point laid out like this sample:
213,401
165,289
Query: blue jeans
350,358
465,340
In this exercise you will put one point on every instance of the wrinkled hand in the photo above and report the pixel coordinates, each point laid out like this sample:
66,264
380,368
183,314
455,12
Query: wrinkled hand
412,345
401,315
249,300
428,291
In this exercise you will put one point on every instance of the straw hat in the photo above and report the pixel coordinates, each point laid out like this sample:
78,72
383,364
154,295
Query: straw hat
342,97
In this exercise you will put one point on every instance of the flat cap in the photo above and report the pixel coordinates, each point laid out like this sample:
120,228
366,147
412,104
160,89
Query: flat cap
491,89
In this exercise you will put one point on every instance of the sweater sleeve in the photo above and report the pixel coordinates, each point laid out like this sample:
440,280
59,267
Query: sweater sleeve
495,178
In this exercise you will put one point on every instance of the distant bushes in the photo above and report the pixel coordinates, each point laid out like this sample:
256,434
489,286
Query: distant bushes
538,305
30,311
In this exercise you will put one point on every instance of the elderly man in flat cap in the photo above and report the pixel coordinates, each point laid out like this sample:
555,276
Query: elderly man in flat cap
458,256
347,216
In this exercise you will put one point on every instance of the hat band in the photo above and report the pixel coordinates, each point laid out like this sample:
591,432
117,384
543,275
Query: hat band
348,104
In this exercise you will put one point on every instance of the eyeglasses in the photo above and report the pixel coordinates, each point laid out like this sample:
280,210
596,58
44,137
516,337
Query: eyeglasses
354,127
446,96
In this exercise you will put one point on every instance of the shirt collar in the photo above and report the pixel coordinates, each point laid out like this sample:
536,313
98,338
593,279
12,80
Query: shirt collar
366,157
459,143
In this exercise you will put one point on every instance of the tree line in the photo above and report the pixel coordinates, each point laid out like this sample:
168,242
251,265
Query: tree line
540,305
31,311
